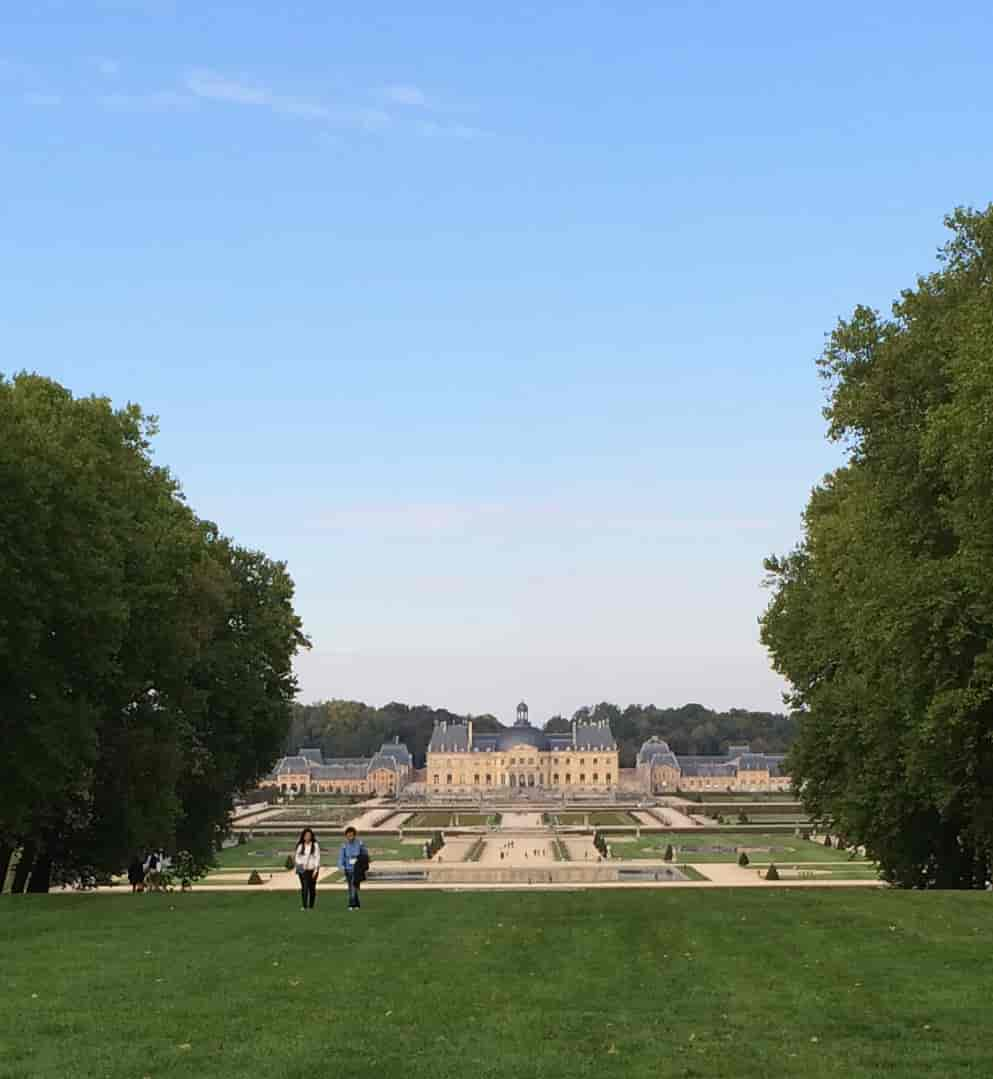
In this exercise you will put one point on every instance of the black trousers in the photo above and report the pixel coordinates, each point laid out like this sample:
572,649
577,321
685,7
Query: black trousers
353,891
308,889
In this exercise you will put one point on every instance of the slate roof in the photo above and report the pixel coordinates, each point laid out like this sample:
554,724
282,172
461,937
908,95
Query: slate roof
397,750
392,755
454,738
657,752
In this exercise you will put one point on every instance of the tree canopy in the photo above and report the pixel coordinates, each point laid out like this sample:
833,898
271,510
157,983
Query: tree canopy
882,618
353,729
145,659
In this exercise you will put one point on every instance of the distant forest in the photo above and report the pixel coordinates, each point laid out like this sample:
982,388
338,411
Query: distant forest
354,729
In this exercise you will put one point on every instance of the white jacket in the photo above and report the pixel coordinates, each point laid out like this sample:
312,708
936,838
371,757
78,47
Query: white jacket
308,856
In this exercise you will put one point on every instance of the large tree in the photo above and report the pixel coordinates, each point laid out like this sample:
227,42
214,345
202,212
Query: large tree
144,659
882,618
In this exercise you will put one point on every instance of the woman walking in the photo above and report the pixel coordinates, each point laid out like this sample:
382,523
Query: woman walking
353,861
308,863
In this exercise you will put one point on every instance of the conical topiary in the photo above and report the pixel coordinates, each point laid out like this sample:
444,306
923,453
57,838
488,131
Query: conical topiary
743,859
772,873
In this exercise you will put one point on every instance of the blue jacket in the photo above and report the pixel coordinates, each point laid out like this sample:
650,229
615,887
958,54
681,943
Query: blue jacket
348,853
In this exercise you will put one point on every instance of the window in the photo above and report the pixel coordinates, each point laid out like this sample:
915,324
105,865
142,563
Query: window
448,779
489,779
475,779
568,778
596,778
582,778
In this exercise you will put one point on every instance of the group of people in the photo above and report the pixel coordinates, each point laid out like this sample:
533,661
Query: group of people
353,861
140,868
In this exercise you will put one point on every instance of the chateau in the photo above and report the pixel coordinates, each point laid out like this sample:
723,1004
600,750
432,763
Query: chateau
661,771
460,759
584,761
387,772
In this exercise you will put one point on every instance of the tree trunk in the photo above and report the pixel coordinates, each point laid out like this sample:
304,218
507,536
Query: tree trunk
6,853
41,875
23,870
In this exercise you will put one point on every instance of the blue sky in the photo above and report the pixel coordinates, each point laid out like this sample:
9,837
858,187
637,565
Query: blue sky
497,322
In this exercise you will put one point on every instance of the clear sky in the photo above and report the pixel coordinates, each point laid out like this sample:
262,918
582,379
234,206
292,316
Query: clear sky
496,321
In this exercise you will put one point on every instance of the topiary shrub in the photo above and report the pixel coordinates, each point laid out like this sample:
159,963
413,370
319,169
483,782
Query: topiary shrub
743,859
255,877
289,863
827,841
669,853
742,818
772,873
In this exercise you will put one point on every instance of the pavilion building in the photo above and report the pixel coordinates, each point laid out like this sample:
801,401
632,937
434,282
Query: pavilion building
307,772
660,771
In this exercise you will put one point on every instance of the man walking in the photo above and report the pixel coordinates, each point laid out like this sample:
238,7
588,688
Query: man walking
353,861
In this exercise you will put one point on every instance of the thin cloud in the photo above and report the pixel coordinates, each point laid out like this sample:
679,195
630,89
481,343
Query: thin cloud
411,96
107,67
152,102
43,100
452,131
215,87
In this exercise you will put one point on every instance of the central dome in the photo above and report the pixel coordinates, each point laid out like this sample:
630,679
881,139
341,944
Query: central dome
523,736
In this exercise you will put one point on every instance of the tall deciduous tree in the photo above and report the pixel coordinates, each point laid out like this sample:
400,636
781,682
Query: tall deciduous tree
882,619
144,659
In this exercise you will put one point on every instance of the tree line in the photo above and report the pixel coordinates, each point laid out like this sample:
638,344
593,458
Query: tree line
882,617
145,658
342,728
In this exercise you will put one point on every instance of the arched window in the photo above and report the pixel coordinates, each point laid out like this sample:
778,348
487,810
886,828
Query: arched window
568,778
448,779
555,778
582,778
596,778
475,779
436,779
489,779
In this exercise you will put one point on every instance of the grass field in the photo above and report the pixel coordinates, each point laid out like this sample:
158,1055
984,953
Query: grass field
450,820
724,847
614,984
325,814
595,818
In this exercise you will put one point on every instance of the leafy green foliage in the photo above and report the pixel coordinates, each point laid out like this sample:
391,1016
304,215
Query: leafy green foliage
353,729
881,618
145,660
743,859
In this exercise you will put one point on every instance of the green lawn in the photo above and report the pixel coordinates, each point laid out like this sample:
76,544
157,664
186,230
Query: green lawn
607,984
450,820
596,818
268,853
324,814
724,847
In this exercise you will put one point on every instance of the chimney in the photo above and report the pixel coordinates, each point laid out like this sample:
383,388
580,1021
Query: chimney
469,739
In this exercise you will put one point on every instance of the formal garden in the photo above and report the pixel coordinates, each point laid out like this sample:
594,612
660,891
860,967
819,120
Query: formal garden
624,984
594,818
453,819
759,847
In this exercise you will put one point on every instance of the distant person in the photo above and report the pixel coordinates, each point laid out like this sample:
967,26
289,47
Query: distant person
353,861
308,865
136,875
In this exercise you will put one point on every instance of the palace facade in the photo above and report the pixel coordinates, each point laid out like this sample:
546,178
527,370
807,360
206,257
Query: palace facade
387,772
460,759
661,771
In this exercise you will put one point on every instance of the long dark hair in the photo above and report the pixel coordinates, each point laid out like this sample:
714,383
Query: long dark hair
313,838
